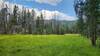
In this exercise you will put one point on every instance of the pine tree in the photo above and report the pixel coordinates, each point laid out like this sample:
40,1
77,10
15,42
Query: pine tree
24,20
14,20
4,13
79,12
90,9
29,22
42,23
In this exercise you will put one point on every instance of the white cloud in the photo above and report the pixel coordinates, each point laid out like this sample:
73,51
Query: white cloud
51,2
48,15
63,16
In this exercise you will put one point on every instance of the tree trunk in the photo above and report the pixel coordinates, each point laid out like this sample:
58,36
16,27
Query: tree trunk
93,40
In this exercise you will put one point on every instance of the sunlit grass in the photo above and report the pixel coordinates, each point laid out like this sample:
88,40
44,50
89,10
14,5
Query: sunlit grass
46,45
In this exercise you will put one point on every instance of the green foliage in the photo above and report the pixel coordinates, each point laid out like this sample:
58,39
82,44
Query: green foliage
14,19
46,45
40,24
89,9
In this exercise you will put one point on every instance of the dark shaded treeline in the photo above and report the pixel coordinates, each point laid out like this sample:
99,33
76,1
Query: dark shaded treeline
88,12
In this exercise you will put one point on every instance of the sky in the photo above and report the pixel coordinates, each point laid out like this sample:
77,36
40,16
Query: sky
64,7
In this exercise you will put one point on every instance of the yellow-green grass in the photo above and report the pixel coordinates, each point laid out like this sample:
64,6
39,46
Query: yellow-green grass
46,45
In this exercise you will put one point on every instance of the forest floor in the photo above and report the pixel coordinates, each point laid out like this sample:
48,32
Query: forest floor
46,45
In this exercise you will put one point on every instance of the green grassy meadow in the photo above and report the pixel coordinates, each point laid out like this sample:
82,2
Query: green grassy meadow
46,45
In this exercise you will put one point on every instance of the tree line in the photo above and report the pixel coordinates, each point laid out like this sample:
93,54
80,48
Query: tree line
26,22
88,12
